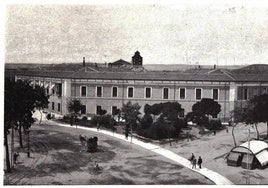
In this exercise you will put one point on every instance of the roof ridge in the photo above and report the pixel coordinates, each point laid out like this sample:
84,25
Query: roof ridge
227,73
213,70
91,69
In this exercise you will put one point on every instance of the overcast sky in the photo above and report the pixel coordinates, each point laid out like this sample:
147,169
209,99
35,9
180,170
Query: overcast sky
164,34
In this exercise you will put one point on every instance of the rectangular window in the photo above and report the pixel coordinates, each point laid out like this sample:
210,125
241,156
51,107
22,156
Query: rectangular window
245,94
130,92
98,110
198,94
99,91
182,93
165,93
264,90
148,92
83,91
255,92
114,110
58,89
114,91
58,107
215,94
52,106
83,109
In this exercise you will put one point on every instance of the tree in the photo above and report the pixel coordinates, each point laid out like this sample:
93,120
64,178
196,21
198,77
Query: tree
21,99
202,110
41,99
168,124
207,107
74,107
257,111
130,113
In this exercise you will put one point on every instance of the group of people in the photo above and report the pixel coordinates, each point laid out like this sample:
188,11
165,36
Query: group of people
195,161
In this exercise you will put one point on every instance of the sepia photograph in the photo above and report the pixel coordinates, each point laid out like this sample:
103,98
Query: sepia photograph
135,93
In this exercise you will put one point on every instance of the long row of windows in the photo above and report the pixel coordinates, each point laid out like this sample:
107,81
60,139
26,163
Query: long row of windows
148,92
245,94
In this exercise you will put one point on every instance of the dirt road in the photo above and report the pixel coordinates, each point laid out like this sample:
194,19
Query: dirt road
57,159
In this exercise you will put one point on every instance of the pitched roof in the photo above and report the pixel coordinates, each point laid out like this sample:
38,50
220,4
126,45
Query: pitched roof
161,76
125,73
120,62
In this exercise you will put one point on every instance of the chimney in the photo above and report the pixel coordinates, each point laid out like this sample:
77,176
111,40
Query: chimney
214,66
84,62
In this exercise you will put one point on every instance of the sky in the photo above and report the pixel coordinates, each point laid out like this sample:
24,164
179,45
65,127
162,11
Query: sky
175,33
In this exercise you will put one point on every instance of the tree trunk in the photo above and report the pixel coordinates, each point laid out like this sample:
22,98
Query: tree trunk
40,121
258,134
7,152
233,134
12,146
267,129
20,135
28,143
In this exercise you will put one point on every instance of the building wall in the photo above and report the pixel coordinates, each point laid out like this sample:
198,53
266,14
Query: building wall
247,91
107,101
231,94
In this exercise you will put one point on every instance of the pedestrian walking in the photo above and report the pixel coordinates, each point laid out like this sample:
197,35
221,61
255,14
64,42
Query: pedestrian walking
192,158
126,134
199,162
194,163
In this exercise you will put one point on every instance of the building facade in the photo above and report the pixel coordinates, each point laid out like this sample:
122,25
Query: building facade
109,90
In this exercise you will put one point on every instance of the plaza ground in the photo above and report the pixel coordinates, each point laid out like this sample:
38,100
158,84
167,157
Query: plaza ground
125,163
56,158
213,150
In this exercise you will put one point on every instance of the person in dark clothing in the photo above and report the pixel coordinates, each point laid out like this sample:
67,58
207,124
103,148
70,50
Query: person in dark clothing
192,158
199,161
15,157
194,163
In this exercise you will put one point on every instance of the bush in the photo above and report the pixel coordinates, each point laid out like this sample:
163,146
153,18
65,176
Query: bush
84,118
215,125
106,121
160,130
146,121
66,118
48,116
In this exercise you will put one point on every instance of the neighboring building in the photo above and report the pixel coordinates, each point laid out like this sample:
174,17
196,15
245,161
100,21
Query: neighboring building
101,89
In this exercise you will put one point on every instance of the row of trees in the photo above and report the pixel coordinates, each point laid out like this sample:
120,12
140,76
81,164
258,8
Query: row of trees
165,120
255,112
21,100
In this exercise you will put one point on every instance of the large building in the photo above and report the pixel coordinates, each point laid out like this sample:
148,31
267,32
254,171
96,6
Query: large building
109,87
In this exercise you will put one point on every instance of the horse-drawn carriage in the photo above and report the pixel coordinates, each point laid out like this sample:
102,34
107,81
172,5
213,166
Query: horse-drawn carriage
89,144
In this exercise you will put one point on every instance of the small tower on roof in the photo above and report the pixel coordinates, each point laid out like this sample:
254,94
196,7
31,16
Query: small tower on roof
137,59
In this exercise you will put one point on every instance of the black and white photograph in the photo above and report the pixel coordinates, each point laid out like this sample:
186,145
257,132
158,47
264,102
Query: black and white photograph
135,93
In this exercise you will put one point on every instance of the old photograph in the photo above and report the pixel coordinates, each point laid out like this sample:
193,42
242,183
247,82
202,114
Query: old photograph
136,93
